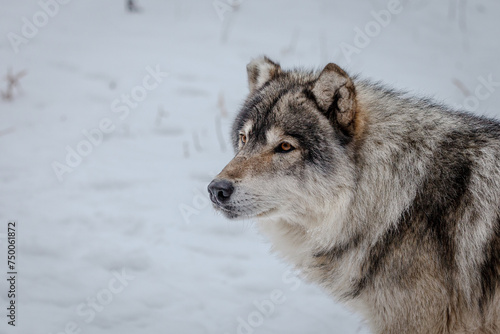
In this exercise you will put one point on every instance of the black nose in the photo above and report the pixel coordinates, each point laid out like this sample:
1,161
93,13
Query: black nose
220,190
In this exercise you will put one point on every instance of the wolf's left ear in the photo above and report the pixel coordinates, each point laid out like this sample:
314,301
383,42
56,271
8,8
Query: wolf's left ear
335,94
260,71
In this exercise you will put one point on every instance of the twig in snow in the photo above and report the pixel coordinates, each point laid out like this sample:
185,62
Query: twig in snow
293,43
12,84
161,114
221,104
132,7
461,86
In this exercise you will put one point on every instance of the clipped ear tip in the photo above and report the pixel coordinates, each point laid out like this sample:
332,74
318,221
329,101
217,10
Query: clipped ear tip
260,70
268,60
260,61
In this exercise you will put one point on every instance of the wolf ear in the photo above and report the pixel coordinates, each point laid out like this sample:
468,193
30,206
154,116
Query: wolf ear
260,71
335,94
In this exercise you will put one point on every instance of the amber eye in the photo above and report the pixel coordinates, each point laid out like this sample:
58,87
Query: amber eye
284,147
243,138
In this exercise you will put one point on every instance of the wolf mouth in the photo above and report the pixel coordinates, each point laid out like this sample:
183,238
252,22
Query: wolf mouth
233,212
230,213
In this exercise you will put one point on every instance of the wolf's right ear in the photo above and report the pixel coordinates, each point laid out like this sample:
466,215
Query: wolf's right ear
260,71
335,94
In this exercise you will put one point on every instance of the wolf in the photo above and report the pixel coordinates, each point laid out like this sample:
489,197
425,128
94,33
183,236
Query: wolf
390,202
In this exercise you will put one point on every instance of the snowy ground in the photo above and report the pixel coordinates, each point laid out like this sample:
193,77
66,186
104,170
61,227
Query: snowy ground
124,241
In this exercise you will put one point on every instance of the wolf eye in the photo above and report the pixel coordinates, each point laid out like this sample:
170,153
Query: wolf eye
243,138
284,147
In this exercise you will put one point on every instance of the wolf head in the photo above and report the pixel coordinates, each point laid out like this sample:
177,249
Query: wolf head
293,141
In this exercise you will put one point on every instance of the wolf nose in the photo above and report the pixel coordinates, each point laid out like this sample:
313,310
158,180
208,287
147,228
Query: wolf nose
220,190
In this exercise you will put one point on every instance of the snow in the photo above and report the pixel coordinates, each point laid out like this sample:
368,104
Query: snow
130,229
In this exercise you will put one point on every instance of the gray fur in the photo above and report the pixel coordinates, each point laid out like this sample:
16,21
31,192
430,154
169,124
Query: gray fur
390,202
